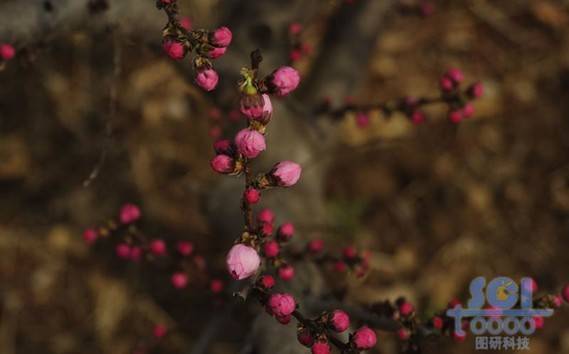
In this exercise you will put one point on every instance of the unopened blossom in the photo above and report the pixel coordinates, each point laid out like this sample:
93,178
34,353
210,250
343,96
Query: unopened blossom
7,51
339,321
123,250
476,90
216,52
252,195
286,272
406,308
185,248
159,330
305,337
179,280
286,173
90,236
158,247
403,334
320,347
271,249
315,246
565,293
221,37
364,338
256,107
285,231
242,261
284,80
207,79
129,213
266,281
281,304
266,216
223,164
174,49
216,286
455,75
250,143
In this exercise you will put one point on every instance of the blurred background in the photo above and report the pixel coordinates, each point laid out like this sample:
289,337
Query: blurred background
93,115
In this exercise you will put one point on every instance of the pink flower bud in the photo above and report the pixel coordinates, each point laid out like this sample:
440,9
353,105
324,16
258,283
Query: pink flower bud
242,261
418,117
179,280
565,293
221,37
295,55
455,116
123,251
251,196
267,281
257,107
364,338
284,80
159,330
286,173
266,216
305,337
286,272
216,52
90,236
271,249
186,23
185,248
294,28
539,322
362,120
406,309
129,213
284,319
455,75
250,143
167,2
340,266
158,247
468,110
216,286
403,334
285,231
315,246
215,132
136,253
446,84
224,146
7,51
476,90
281,305
349,252
339,321
556,301
223,164
174,49
266,229
207,79
320,347
437,322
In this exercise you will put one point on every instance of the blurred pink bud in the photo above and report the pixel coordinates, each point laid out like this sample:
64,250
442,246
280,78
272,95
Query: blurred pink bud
281,305
186,23
476,90
158,247
129,213
90,236
320,347
315,246
437,322
185,248
266,229
284,319
7,51
339,321
565,293
252,196
266,216
539,322
286,173
294,28
406,309
224,146
340,266
271,249
305,337
223,164
159,330
362,120
216,286
418,117
207,79
179,280
295,55
286,272
221,37
364,338
250,143
349,252
215,132
455,116
468,110
123,250
403,334
136,253
285,231
242,261
216,52
267,281
257,107
284,80
446,84
174,49
455,75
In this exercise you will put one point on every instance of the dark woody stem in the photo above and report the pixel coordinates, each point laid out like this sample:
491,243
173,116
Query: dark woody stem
245,206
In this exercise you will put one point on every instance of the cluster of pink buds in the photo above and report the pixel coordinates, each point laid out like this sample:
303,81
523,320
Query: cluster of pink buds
203,46
298,47
460,106
7,52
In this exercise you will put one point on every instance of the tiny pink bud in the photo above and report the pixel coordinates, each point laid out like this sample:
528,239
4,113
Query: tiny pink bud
179,280
286,272
123,250
136,253
158,247
340,266
266,216
242,261
437,322
215,132
271,249
186,23
455,116
295,55
257,107
251,196
267,281
364,338
320,347
476,90
468,110
281,305
284,80
349,252
286,173
223,164
339,321
315,246
556,301
216,52
221,37
129,213
207,79
7,51
403,334
90,236
305,337
294,28
418,117
285,231
539,322
216,286
159,330
185,248
174,49
266,229
250,143
362,120
455,75
446,84
406,309
565,293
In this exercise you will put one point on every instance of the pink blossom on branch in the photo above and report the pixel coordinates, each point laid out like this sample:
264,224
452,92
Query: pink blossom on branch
174,49
339,321
207,79
286,173
364,338
221,37
7,51
129,213
223,164
284,80
250,143
281,305
242,261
